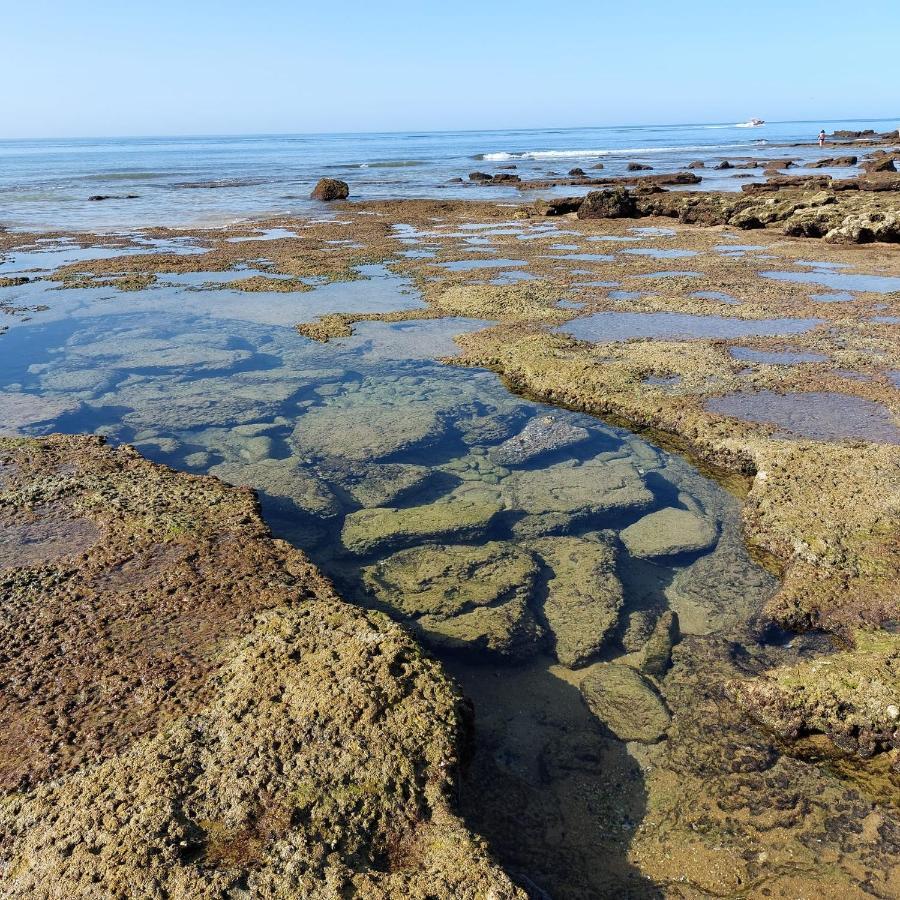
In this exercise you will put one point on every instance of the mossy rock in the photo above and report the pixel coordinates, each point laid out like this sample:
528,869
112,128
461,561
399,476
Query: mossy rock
852,696
626,702
584,595
371,530
668,532
561,495
365,428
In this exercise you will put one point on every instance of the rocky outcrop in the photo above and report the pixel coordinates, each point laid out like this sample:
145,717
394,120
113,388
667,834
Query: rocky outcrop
611,203
638,167
328,189
577,173
879,163
866,228
852,696
190,711
833,162
626,702
557,206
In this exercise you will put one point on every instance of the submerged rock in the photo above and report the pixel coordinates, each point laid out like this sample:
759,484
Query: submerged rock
667,532
283,480
543,434
626,703
584,595
656,655
363,428
329,189
157,747
557,497
371,530
377,484
464,597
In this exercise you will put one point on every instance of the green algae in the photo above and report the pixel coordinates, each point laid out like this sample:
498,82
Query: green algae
371,530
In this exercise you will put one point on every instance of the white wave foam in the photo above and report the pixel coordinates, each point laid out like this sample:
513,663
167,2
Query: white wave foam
588,154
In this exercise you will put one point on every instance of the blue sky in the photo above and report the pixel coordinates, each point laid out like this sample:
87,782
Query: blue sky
93,67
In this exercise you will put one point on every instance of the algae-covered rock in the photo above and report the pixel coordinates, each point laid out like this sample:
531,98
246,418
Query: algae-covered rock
638,629
656,654
376,484
263,739
463,597
720,589
584,595
369,530
544,434
852,696
558,496
444,580
508,629
283,480
626,703
668,531
328,189
364,430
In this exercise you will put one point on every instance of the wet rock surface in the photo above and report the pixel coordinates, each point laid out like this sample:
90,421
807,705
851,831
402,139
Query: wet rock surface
667,532
584,595
216,746
473,598
722,805
541,435
626,702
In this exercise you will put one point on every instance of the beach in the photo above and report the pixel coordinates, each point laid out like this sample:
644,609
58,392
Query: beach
610,470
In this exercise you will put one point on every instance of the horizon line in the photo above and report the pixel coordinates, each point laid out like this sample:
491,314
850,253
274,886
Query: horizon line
273,134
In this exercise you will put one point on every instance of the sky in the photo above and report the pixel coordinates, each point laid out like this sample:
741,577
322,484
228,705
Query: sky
73,68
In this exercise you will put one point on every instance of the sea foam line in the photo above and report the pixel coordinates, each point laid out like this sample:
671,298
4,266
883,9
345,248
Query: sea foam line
586,154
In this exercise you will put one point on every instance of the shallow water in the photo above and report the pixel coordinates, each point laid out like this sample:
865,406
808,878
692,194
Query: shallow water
190,180
822,416
216,381
467,265
840,281
621,326
785,357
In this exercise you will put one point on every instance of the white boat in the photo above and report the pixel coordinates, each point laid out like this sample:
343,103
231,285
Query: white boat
753,123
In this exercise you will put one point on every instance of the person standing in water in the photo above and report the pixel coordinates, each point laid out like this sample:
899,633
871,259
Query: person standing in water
822,138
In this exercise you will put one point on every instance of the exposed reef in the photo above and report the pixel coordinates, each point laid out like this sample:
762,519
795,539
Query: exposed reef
190,711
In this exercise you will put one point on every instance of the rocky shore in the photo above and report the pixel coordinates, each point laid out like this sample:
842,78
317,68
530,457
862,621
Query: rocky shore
190,711
772,366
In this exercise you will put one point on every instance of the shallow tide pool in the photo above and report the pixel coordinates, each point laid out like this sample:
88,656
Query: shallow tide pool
534,550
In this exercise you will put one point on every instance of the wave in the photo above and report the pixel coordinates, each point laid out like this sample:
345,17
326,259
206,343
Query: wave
589,154
381,164
222,183
123,176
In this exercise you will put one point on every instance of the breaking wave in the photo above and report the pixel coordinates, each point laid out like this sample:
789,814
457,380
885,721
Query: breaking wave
590,154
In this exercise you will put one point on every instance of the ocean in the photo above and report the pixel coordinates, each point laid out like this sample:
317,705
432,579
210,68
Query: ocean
195,181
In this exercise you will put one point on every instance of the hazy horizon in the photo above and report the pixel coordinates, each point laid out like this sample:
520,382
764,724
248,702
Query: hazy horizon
432,131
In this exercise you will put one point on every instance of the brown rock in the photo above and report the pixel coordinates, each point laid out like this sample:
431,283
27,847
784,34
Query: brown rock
328,189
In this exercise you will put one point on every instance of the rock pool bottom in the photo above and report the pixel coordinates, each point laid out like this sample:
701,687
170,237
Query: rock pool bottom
469,513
